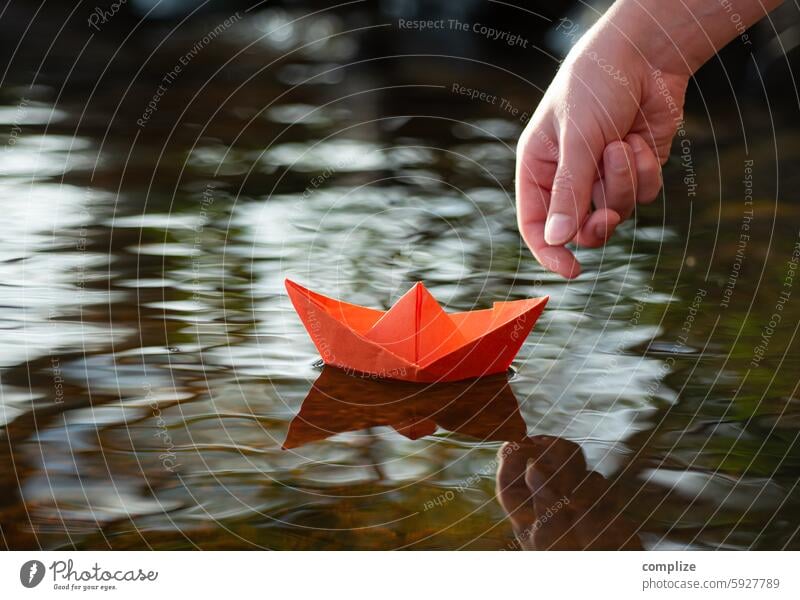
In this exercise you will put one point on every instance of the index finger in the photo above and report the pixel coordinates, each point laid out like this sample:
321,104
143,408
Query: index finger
534,180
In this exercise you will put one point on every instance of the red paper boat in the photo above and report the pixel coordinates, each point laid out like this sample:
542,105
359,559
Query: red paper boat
415,340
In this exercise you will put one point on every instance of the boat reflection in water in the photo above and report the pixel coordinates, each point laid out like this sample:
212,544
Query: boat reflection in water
484,408
552,498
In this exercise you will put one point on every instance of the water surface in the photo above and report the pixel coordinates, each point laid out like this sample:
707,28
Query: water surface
158,391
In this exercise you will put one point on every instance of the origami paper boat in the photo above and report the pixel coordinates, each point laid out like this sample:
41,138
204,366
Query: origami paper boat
415,340
485,408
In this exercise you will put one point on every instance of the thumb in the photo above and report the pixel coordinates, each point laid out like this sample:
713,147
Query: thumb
571,194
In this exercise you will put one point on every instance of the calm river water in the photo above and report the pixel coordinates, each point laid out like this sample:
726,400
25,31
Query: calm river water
158,391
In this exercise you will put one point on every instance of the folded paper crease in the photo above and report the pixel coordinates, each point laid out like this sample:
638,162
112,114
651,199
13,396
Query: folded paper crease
415,340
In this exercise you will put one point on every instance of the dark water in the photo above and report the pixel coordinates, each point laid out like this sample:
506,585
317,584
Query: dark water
154,373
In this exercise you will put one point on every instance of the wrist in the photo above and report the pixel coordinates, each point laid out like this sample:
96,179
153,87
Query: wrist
664,35
679,36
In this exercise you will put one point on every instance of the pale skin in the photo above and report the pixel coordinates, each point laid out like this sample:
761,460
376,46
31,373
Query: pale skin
595,145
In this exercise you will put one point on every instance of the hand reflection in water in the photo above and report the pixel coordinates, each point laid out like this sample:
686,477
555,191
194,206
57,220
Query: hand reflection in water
555,502
551,497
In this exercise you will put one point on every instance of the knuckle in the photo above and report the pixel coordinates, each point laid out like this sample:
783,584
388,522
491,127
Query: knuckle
650,195
622,167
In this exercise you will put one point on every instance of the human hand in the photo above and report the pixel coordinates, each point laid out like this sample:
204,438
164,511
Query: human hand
606,123
555,502
598,138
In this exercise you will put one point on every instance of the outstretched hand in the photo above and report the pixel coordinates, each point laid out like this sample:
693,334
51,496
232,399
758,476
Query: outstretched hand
595,146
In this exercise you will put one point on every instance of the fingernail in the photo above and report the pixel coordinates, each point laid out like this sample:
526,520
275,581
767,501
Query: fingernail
559,229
